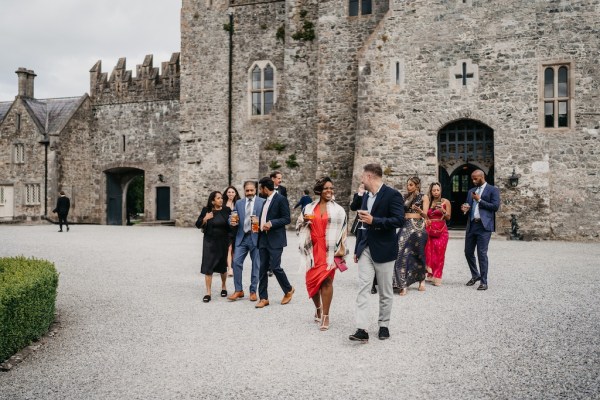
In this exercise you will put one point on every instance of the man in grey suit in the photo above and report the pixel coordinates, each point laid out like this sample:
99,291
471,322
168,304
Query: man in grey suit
482,203
376,249
246,241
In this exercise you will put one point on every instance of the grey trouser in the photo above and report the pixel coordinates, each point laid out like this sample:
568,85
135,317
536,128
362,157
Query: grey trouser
367,269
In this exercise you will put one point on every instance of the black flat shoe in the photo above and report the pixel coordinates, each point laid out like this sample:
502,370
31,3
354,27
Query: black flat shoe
473,281
223,293
483,286
206,299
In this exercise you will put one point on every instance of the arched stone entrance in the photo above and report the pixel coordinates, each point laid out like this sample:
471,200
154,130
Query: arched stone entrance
463,146
117,183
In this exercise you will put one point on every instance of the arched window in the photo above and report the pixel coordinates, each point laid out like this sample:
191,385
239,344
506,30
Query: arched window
556,96
262,88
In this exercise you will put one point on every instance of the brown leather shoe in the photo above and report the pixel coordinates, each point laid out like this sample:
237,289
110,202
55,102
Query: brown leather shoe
262,303
288,296
236,295
253,296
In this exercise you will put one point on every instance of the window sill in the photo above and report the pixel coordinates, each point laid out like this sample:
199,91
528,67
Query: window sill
557,130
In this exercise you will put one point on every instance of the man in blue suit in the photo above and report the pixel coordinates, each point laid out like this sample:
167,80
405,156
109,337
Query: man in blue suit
246,241
482,203
275,215
381,213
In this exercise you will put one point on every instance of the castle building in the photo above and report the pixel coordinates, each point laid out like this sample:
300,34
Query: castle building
428,88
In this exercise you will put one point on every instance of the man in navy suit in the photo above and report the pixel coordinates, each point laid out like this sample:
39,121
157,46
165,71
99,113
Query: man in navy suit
482,203
381,213
246,241
275,215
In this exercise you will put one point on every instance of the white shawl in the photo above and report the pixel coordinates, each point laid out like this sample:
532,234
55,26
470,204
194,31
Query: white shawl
335,234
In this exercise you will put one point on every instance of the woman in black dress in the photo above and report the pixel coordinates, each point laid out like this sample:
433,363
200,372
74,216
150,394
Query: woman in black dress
214,222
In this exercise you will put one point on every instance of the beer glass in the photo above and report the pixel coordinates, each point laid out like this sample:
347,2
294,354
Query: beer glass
254,220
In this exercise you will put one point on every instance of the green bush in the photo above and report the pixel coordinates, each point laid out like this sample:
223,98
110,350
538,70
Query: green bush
27,301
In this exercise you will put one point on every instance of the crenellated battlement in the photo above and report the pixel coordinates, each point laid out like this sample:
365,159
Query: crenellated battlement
148,84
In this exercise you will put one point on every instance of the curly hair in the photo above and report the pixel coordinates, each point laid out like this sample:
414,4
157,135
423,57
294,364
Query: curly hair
320,184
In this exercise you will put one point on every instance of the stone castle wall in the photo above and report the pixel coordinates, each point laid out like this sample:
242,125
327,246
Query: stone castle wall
203,157
398,124
29,172
70,167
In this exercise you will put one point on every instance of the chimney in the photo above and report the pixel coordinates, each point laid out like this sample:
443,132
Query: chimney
26,78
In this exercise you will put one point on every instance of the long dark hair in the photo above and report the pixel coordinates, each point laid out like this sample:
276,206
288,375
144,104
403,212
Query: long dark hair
430,190
411,196
211,198
226,198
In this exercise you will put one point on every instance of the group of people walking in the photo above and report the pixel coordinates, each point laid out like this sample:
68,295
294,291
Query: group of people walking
400,240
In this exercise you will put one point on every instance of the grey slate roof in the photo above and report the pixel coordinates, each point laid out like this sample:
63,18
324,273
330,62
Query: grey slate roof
4,107
51,115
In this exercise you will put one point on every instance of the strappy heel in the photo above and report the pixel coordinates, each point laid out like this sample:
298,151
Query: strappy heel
317,317
422,286
402,292
324,326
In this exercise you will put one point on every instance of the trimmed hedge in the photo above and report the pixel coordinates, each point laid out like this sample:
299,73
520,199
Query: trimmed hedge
27,302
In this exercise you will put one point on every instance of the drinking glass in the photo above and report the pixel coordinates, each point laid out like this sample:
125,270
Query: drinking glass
361,225
254,220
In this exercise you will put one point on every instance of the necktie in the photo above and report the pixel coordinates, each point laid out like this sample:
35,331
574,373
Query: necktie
475,204
247,215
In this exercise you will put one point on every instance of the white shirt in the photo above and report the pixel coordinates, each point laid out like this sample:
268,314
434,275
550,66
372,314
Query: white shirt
372,197
479,190
263,217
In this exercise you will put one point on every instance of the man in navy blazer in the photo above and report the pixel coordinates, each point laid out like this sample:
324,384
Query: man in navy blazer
482,203
246,241
381,213
275,215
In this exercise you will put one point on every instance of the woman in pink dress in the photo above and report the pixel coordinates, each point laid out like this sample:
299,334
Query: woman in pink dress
322,228
437,232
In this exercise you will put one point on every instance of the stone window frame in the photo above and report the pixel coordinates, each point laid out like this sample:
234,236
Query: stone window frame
3,199
359,8
33,194
19,153
397,73
542,100
18,122
262,65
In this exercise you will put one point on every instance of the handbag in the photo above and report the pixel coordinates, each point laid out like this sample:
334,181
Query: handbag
436,228
354,225
340,263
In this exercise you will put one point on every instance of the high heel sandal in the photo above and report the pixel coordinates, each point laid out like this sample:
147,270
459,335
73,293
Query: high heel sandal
324,326
402,292
422,286
317,316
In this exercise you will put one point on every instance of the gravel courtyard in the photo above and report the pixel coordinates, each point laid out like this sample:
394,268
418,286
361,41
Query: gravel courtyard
133,326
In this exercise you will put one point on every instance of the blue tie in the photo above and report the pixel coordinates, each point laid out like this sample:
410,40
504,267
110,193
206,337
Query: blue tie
474,203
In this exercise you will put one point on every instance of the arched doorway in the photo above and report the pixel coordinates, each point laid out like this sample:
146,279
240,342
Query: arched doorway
463,146
117,183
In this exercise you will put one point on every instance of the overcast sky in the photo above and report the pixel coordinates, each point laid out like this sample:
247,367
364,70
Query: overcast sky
62,39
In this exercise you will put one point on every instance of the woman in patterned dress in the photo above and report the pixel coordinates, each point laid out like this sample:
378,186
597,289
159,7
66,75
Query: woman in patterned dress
410,264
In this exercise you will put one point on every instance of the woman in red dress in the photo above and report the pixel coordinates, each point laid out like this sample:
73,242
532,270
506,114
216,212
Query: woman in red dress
437,232
322,228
